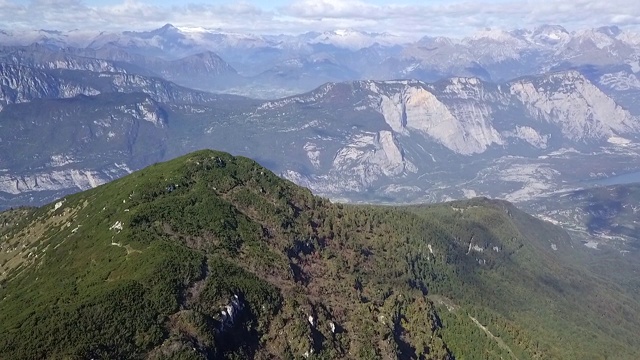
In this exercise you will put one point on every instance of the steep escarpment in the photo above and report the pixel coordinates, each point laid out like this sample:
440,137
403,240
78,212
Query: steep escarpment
375,140
581,110
457,120
20,83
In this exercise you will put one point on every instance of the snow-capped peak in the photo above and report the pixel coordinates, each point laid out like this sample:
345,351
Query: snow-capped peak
549,35
346,32
494,35
194,29
354,39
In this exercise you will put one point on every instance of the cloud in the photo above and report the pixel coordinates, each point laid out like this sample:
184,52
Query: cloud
131,10
452,18
335,9
470,15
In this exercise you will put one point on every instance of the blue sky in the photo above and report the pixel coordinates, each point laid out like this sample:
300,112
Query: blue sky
404,17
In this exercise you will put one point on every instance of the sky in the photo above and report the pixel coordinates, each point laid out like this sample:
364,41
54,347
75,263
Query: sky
401,17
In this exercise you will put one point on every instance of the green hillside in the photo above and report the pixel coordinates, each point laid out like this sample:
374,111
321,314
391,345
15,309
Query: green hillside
150,266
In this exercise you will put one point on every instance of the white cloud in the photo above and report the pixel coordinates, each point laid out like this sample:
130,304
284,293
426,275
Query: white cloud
451,18
507,14
321,9
131,12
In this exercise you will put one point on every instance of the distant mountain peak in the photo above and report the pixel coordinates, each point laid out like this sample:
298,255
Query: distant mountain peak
345,32
167,29
611,31
167,26
493,34
550,27
550,34
194,29
355,39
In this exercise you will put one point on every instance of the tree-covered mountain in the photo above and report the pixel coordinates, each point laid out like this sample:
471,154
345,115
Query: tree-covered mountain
214,256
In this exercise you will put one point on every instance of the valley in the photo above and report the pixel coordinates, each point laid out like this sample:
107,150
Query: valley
388,151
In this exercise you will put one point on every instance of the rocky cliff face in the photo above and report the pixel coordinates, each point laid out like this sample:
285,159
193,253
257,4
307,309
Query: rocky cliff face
41,57
19,84
576,106
56,180
463,128
402,130
383,137
57,146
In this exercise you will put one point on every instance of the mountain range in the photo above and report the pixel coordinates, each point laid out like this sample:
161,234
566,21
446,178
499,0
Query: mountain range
507,114
251,61
396,139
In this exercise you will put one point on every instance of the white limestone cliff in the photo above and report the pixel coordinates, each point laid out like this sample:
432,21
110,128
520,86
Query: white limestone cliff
581,110
464,128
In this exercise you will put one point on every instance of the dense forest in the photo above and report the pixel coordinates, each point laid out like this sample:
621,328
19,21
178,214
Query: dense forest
213,256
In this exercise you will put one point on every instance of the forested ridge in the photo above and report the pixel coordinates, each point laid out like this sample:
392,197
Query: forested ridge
213,256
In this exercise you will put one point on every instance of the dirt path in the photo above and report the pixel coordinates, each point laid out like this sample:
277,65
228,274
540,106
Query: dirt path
500,342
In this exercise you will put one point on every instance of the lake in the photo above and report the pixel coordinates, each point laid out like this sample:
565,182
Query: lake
629,178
